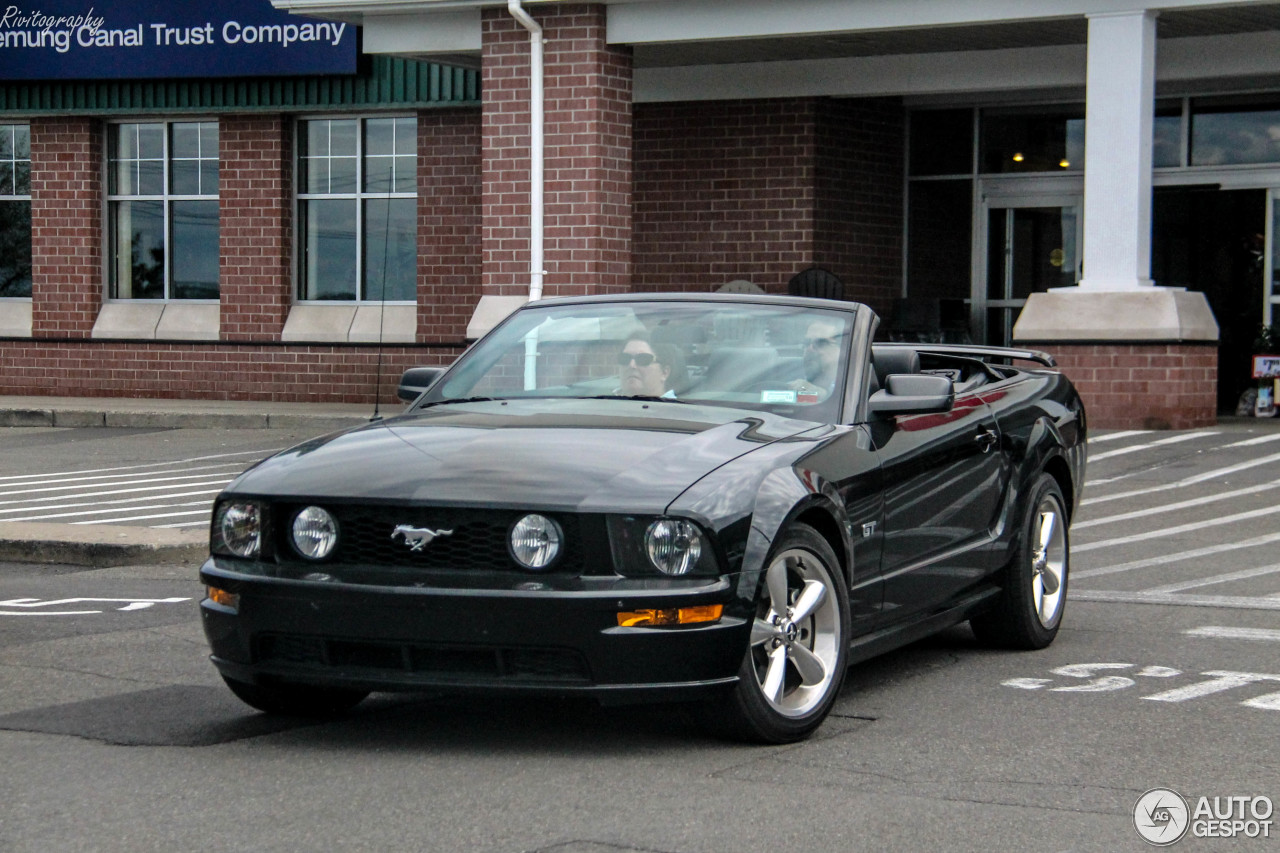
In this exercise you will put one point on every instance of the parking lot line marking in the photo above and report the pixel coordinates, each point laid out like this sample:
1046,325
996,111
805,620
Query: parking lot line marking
1181,528
110,505
142,465
1250,442
235,467
206,502
1134,448
1208,551
1230,602
227,475
220,482
1112,436
1189,481
1157,510
1222,632
203,512
1243,574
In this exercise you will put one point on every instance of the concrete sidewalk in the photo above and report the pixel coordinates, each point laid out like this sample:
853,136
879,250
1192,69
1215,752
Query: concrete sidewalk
103,545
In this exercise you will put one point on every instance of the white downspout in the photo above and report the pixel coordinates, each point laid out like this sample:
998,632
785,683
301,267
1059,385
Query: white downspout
536,272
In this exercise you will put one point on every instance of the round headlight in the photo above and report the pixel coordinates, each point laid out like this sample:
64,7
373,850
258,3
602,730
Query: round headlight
315,532
674,545
240,528
535,541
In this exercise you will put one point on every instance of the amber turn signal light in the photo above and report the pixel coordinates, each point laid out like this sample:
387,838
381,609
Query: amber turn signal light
673,616
229,600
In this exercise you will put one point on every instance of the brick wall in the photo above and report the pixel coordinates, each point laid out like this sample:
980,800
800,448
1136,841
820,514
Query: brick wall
450,264
723,190
859,196
1143,386
310,373
66,226
255,235
760,190
587,210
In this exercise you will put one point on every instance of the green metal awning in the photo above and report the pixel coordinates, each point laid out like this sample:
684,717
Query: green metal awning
383,81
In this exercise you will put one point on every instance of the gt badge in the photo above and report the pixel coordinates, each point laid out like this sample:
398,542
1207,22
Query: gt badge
418,537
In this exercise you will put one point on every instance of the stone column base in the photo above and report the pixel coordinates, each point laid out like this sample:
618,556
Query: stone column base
1143,359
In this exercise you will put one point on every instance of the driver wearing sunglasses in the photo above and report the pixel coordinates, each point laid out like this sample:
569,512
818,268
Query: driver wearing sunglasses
821,359
642,372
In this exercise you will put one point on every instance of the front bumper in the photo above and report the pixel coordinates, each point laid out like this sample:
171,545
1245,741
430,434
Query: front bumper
517,635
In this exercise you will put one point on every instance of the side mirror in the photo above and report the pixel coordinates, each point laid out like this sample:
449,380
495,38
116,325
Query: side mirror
416,380
912,394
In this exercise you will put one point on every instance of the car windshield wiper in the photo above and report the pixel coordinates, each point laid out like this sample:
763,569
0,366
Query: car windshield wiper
459,400
644,397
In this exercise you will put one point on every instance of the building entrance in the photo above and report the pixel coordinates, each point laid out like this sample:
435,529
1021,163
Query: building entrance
1214,241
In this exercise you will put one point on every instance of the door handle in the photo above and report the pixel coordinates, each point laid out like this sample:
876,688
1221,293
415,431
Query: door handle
987,439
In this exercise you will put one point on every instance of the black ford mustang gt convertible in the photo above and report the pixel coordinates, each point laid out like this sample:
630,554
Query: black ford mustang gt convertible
721,499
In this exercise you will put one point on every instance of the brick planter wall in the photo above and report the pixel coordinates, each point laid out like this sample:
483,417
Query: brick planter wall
66,226
302,373
1142,386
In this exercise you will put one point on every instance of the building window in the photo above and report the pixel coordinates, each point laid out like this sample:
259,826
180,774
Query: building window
357,209
1234,131
1047,139
15,210
162,202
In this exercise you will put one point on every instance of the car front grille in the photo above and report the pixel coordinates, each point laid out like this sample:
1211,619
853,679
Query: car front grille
460,663
477,541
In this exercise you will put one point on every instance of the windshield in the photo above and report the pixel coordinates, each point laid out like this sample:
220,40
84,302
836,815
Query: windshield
781,358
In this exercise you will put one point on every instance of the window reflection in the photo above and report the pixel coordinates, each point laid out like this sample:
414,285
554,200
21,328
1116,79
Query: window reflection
1225,132
15,210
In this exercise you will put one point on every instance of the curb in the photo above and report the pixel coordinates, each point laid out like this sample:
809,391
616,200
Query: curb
100,545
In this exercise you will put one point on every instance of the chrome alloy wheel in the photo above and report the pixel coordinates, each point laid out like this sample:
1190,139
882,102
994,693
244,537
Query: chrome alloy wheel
1048,562
796,637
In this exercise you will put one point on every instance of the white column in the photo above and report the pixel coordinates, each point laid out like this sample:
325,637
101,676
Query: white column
1120,101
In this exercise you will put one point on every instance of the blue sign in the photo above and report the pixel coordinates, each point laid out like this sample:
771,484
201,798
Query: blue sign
130,39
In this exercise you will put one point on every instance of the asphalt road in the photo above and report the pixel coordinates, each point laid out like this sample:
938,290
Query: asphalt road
116,734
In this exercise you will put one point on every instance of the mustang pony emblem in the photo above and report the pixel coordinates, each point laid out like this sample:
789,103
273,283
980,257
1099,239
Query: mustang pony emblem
418,537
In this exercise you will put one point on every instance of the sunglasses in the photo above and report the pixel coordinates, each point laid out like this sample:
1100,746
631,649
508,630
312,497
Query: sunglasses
642,359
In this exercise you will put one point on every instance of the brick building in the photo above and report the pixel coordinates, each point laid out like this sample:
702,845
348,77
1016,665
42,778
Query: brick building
1078,175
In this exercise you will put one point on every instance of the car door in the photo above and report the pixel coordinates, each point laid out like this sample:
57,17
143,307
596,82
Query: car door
944,476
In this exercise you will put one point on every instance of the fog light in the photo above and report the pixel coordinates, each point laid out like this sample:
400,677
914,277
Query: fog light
672,616
535,541
221,597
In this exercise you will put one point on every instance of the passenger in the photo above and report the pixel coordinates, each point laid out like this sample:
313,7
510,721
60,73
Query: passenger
821,359
642,370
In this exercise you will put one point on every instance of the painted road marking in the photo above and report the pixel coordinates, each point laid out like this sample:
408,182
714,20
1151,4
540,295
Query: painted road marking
1243,574
1209,551
1134,448
1219,681
142,465
40,480
1112,436
35,603
108,506
1160,510
1250,442
224,476
1227,633
1181,528
1189,481
1233,602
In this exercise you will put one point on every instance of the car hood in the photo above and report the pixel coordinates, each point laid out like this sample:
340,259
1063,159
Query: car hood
580,455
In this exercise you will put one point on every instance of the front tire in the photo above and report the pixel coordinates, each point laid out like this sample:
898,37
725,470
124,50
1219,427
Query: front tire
1029,611
795,661
296,700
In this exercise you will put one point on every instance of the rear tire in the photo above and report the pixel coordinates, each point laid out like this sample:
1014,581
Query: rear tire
296,700
795,660
1029,611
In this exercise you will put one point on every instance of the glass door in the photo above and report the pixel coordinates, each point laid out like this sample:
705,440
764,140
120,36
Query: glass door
1029,245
